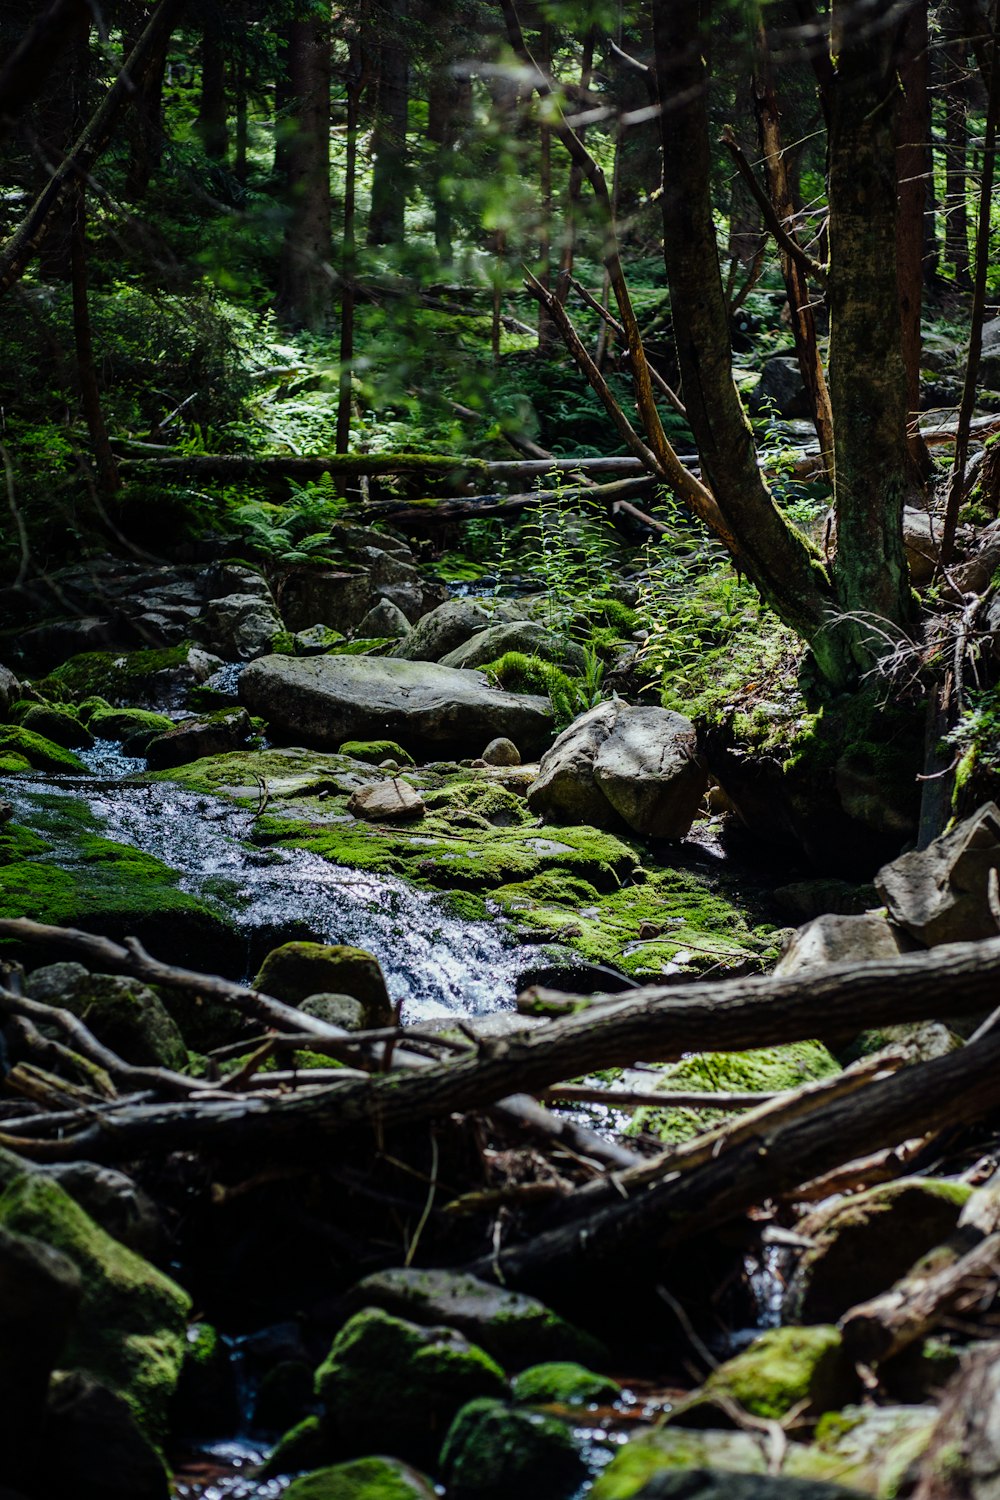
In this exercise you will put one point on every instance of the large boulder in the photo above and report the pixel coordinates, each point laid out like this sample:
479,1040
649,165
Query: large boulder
803,1368
941,894
362,1479
842,940
377,567
622,764
130,1329
448,627
39,1293
514,1328
780,389
325,700
93,1448
124,1014
215,734
493,1452
296,971
239,627
391,1386
527,636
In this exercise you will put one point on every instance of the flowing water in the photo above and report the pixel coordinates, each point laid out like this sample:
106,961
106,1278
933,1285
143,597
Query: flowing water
435,963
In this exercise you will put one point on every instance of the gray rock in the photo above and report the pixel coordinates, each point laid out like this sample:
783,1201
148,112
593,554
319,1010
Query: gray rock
514,1328
113,1201
10,690
341,597
528,636
226,730
781,388
501,752
317,640
384,619
392,801
93,1447
240,627
842,940
329,699
565,788
39,1294
922,541
235,578
989,359
336,1010
941,894
449,626
124,1014
720,1484
620,764
650,771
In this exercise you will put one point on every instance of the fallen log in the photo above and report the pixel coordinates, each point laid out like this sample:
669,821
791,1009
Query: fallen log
437,511
961,1271
653,1024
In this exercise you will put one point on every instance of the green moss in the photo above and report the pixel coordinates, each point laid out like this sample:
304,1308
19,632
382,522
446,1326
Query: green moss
782,1369
12,763
129,1018
639,1461
116,676
493,1452
565,1383
63,872
762,1071
130,1329
303,1446
40,753
56,724
516,672
295,971
364,1479
373,752
90,706
124,723
390,1384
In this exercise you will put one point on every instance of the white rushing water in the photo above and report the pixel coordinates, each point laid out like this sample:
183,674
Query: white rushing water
437,964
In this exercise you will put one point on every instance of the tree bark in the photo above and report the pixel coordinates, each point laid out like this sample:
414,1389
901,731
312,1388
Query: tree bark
212,122
305,281
913,132
867,375
29,66
108,482
386,220
956,120
772,552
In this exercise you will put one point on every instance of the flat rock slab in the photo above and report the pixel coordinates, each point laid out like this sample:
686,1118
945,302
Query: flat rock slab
325,700
392,801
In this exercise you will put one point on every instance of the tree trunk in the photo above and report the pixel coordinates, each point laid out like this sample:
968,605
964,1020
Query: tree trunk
449,101
240,101
800,301
772,553
386,222
867,375
913,131
212,123
90,396
304,290
145,130
348,258
956,112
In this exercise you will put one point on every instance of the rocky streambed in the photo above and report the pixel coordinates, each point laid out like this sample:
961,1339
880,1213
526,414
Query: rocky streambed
368,839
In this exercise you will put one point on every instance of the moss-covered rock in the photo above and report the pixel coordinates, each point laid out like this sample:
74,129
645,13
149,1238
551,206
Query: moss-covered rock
766,1070
374,752
284,1396
364,1479
295,971
392,1385
304,1446
494,1451
62,871
58,725
41,754
130,1332
124,678
861,1245
563,1383
205,1401
781,1369
665,1450
125,1015
137,726
871,1448
517,1330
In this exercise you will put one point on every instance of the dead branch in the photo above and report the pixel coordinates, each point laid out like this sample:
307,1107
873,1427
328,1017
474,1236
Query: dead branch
783,239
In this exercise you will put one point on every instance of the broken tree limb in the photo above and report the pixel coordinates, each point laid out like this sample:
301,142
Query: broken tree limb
785,241
423,512
957,1089
654,1024
961,1270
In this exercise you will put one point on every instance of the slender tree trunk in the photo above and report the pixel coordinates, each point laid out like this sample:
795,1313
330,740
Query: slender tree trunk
386,221
867,375
305,280
575,185
90,395
240,101
956,113
546,332
212,122
449,102
800,301
56,124
145,130
773,554
913,132
348,264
